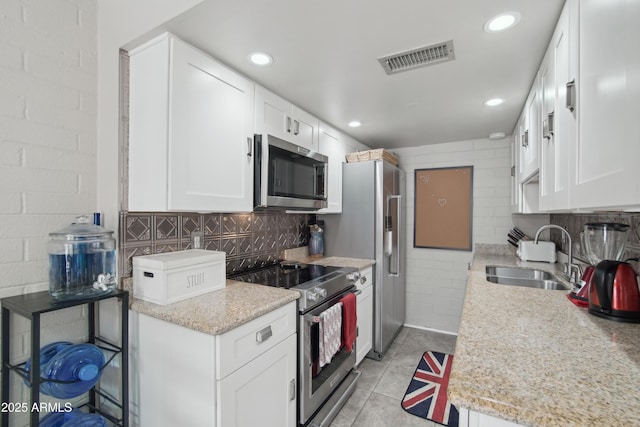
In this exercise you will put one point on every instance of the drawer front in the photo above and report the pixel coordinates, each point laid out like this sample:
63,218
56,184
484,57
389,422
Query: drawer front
243,344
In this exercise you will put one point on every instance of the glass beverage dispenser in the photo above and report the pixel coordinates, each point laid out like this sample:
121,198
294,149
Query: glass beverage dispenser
82,261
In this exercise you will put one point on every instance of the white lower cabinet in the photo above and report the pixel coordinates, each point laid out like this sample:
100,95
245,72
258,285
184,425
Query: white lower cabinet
244,377
470,418
364,341
263,392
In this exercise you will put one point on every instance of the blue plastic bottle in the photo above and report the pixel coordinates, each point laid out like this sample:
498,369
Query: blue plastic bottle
72,418
80,364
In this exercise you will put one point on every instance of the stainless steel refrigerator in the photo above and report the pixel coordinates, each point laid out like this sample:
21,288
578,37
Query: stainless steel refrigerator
371,226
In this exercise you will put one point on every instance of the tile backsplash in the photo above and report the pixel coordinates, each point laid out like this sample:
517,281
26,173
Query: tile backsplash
574,223
249,240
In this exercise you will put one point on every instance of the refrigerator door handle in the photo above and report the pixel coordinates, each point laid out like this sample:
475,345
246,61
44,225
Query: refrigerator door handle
388,244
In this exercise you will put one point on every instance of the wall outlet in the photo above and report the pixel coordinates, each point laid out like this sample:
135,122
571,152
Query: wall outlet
197,240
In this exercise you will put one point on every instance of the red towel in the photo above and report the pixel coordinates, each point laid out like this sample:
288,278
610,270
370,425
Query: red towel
349,321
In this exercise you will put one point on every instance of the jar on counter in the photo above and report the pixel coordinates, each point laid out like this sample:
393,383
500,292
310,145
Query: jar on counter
82,261
316,242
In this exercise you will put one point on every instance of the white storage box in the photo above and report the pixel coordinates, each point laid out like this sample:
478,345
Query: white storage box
174,276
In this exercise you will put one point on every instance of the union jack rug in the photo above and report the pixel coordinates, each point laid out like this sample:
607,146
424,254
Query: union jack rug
426,396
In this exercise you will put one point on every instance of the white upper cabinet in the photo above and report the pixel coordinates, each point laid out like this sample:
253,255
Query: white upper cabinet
278,117
608,147
557,76
332,146
530,144
516,187
191,127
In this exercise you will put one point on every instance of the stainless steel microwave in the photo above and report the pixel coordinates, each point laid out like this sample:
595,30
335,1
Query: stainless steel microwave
287,176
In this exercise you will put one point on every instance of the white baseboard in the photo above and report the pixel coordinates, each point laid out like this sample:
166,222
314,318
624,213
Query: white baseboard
430,329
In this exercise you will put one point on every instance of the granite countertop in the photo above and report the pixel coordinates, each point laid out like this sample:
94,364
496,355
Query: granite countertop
302,254
532,357
335,261
220,311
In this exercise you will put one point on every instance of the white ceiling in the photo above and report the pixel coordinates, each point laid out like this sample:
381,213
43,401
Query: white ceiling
325,60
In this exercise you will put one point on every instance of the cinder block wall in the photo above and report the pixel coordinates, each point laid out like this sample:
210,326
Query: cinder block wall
48,84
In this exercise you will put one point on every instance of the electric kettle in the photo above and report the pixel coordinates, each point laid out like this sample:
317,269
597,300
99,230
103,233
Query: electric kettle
614,292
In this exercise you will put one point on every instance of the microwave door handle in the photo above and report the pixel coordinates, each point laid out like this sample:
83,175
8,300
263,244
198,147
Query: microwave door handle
325,179
316,167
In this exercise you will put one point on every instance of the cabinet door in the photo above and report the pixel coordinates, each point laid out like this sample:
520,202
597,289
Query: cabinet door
476,419
515,183
364,341
548,142
531,144
262,392
331,146
304,129
211,128
556,167
608,146
273,114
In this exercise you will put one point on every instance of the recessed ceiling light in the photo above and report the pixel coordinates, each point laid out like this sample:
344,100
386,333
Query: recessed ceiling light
497,135
261,58
354,124
502,22
494,102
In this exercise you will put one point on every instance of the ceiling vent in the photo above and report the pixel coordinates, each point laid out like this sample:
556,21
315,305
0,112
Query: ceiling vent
420,57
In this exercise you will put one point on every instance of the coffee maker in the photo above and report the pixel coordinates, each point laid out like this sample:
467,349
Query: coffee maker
600,241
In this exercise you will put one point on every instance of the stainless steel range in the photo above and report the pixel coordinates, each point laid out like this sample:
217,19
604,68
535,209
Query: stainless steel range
322,390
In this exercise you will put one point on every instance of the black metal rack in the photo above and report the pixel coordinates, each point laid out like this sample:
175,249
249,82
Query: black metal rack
32,306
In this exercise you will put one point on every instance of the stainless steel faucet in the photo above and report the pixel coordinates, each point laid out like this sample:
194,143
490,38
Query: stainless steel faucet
572,272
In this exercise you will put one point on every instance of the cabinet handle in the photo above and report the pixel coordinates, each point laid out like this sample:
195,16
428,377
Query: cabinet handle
249,146
296,127
570,99
548,126
264,334
292,390
358,292
288,124
525,139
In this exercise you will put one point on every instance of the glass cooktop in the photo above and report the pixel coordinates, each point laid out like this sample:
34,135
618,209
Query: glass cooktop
284,277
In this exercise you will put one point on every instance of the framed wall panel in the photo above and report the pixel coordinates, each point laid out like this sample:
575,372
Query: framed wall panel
443,208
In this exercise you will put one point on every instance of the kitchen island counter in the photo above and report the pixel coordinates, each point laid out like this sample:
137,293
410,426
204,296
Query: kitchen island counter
220,311
532,357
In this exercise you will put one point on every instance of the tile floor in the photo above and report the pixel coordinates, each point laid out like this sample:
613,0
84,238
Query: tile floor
376,400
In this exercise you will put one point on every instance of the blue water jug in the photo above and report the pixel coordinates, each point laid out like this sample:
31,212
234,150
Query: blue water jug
79,366
72,418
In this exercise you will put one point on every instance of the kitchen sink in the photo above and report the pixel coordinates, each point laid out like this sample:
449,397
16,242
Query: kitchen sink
526,277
